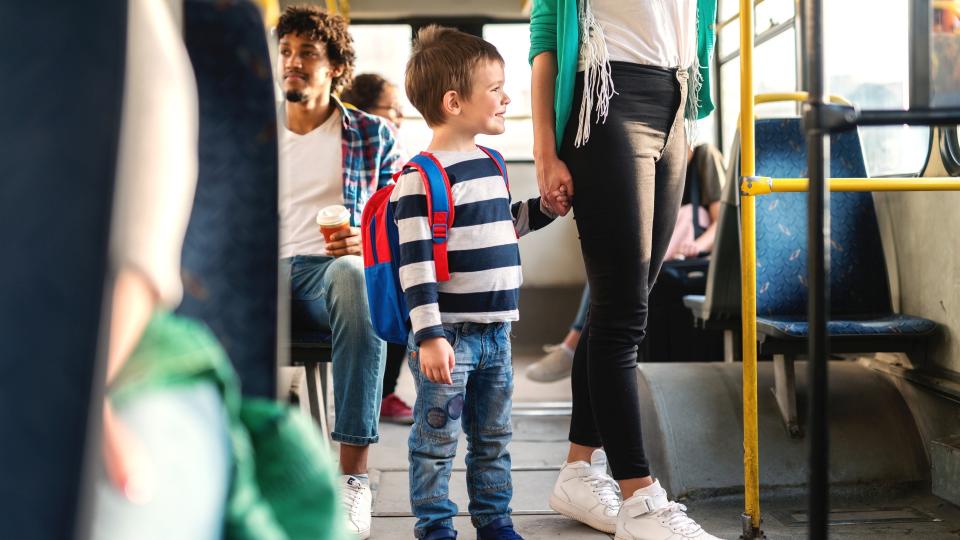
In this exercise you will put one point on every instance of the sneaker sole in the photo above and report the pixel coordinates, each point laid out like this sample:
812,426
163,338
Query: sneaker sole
573,512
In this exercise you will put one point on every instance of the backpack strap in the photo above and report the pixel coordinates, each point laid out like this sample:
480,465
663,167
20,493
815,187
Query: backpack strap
498,159
439,207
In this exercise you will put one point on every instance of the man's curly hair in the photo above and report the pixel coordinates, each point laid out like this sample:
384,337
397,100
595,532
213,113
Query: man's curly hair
315,24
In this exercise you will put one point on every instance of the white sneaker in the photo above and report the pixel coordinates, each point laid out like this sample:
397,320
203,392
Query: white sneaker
585,492
357,504
645,517
554,365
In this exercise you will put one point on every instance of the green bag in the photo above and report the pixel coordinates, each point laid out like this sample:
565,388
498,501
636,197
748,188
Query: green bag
284,484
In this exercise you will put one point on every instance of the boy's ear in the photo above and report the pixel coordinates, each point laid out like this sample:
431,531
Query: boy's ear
451,103
336,70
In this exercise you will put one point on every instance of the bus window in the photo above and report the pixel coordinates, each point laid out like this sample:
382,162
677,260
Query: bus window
775,70
774,61
513,42
867,62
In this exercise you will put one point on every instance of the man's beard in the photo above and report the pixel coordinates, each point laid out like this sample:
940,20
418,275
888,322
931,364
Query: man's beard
294,96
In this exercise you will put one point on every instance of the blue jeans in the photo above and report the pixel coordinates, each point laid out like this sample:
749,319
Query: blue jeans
581,319
328,295
183,432
478,403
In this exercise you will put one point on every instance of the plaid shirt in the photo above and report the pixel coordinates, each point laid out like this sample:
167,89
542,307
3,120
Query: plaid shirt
370,158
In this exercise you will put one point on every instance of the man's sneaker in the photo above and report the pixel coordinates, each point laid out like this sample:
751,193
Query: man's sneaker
585,492
394,410
499,529
654,516
357,503
554,365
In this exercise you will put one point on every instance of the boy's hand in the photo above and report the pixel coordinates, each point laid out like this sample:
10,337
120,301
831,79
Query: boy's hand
345,243
437,360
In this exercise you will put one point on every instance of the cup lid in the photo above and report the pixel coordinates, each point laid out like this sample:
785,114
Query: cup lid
333,215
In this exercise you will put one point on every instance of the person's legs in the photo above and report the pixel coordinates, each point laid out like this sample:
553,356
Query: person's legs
183,432
329,294
487,423
392,408
433,438
558,361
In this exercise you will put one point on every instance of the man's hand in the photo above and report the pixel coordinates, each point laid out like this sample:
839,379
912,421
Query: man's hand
345,243
437,360
555,183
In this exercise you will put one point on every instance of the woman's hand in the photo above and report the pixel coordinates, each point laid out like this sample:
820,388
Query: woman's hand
126,462
555,183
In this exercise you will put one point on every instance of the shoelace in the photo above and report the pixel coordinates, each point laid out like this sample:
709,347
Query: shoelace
351,499
674,516
606,489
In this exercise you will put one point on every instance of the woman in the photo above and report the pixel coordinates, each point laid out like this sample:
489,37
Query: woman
373,94
610,86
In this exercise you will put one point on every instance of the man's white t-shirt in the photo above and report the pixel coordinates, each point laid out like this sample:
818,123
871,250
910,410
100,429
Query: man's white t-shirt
311,177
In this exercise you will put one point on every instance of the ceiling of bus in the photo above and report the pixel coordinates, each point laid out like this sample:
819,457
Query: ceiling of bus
402,9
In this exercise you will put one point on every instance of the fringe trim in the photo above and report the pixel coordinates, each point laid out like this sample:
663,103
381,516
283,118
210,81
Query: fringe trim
597,77
694,84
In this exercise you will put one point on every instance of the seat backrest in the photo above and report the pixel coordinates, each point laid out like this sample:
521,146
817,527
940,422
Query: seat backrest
858,275
230,250
722,297
59,158
858,272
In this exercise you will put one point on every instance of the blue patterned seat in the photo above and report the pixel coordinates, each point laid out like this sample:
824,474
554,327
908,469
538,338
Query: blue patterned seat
860,308
230,250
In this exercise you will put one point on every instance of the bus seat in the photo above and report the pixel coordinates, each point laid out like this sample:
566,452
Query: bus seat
861,313
313,351
59,156
230,249
719,307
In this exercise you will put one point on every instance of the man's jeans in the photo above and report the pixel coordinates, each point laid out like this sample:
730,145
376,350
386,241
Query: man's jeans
479,400
328,295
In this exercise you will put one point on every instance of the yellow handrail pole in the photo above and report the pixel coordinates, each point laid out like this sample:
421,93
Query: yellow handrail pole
748,277
763,186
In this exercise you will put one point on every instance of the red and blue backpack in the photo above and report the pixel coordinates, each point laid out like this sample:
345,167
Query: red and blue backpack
381,242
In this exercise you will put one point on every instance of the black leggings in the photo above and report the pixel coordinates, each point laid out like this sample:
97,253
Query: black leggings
628,182
396,356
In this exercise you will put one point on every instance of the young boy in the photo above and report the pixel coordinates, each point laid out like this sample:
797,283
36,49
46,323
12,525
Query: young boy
460,341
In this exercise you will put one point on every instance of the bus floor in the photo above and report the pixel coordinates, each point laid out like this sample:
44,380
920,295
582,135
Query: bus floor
541,416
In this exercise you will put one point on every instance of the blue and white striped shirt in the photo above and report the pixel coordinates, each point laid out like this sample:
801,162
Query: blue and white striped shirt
482,251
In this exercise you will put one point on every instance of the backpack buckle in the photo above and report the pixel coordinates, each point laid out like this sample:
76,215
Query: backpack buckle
439,230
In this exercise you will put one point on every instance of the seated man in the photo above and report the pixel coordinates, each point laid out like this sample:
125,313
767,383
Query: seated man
331,155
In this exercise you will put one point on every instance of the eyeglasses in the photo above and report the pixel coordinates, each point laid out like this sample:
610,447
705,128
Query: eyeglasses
395,109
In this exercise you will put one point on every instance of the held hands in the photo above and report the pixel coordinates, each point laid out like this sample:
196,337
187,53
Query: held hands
556,184
345,242
437,360
687,250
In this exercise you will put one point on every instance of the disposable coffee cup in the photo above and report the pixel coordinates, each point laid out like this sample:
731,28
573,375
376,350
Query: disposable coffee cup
332,219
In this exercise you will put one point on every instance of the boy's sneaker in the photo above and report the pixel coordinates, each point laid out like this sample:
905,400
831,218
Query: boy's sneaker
555,365
357,503
394,410
441,533
585,492
499,529
654,516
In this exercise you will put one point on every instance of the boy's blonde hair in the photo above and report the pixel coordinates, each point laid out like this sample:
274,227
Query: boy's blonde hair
443,59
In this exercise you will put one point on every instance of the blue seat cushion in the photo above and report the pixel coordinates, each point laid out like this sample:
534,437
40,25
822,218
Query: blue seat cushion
893,325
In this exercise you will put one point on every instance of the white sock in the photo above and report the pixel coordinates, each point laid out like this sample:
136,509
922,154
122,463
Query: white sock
651,490
567,350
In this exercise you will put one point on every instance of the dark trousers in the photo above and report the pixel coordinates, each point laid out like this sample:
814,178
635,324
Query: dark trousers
628,182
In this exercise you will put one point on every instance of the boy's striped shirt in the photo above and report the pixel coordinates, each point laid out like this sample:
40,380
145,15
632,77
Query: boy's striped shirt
482,250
